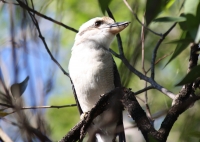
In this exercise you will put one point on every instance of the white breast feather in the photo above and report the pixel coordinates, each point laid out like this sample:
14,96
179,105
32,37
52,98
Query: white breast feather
91,71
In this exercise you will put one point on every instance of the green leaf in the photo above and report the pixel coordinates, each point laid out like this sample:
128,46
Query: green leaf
181,46
3,114
191,76
192,14
197,39
186,40
153,10
18,89
104,5
170,19
191,22
170,3
190,6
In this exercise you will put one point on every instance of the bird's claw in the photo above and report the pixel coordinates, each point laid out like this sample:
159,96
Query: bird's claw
83,115
101,95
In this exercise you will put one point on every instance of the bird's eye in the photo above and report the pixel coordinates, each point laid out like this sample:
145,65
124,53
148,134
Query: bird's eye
97,23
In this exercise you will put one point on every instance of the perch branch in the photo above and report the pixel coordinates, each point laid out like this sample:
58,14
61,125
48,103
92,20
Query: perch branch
78,132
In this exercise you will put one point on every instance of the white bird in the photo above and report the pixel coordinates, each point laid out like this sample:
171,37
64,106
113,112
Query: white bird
93,72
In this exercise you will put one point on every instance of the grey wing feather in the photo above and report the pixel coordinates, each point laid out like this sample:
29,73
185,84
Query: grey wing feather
117,82
75,96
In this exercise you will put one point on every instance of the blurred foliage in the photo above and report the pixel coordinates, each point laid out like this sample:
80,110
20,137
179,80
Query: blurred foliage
35,62
61,120
191,76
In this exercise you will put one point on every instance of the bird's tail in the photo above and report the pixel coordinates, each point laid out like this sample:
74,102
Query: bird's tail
110,138
122,137
104,138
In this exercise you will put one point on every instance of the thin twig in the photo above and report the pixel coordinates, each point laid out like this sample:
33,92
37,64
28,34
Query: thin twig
156,49
143,90
3,1
142,41
132,69
136,17
38,107
6,105
29,128
23,5
160,59
149,80
114,53
43,39
119,41
148,112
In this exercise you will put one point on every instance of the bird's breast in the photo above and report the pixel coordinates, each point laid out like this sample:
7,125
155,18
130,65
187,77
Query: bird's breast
91,71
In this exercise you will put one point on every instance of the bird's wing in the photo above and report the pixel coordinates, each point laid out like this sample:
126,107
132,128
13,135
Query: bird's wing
117,80
117,83
75,96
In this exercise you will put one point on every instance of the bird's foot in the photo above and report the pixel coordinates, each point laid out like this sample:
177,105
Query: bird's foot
101,95
83,115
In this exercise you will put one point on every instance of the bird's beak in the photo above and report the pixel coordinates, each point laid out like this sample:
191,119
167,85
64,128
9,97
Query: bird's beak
118,27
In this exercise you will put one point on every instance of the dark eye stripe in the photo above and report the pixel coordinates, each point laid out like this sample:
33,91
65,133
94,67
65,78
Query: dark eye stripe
98,23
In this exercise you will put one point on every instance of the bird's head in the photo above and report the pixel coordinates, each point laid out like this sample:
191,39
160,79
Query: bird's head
101,30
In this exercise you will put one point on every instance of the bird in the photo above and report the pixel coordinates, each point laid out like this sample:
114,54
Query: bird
93,73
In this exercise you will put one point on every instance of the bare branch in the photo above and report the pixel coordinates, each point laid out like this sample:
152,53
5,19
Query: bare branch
143,90
132,69
136,112
6,105
189,89
155,50
148,112
23,5
78,132
42,38
3,1
34,131
174,112
114,53
160,59
136,17
40,107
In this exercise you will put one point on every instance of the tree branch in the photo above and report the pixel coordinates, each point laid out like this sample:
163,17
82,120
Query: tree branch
136,17
143,90
136,112
155,50
132,69
78,132
23,5
41,37
174,112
